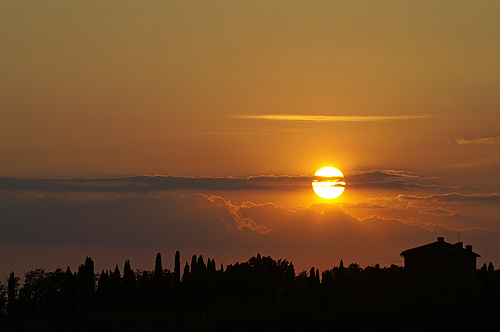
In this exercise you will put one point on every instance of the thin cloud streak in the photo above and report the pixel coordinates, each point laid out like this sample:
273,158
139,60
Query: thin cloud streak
239,133
455,197
482,140
330,118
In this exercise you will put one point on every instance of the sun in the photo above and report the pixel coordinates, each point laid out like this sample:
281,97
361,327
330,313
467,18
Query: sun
328,183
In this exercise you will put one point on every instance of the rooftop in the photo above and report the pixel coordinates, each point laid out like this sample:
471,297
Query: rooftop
440,247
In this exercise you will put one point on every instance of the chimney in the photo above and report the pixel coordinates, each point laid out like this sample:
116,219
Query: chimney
459,244
440,239
468,247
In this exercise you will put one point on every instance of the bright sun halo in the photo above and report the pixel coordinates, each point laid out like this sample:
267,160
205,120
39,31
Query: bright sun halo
329,183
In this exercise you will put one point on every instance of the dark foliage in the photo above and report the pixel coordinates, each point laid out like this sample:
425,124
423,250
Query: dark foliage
262,293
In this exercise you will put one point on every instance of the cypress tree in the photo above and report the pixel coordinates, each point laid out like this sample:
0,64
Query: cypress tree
185,275
158,273
177,268
129,288
12,287
194,268
70,294
102,293
86,285
201,264
115,287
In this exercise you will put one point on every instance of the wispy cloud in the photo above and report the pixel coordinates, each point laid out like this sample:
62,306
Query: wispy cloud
391,179
240,132
454,198
482,140
329,118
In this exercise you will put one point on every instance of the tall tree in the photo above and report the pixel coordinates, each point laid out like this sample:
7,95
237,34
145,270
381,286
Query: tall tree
3,298
158,285
177,268
102,292
69,294
12,287
290,273
129,287
186,273
312,273
200,264
115,289
158,273
33,293
194,267
86,285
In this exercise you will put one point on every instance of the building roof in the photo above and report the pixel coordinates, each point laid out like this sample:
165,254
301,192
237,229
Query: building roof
440,247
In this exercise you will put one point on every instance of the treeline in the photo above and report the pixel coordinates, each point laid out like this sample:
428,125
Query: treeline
259,294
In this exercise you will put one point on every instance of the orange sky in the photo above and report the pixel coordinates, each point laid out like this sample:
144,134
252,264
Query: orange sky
400,96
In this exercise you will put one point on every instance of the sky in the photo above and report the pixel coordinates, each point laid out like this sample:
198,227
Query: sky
130,127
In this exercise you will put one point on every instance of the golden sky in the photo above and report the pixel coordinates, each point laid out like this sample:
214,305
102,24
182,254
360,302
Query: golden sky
401,96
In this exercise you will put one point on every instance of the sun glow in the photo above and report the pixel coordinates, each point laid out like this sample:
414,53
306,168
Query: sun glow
329,183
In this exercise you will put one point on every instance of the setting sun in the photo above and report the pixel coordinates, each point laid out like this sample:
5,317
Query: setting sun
329,184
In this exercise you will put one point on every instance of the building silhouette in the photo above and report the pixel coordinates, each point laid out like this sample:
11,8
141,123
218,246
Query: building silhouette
441,266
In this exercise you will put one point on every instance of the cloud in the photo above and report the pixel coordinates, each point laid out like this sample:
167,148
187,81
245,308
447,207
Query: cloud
453,198
453,210
384,179
483,140
330,118
241,221
114,219
389,179
148,183
318,235
439,212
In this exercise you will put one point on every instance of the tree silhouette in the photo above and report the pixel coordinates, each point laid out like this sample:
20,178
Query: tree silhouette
129,288
158,272
69,294
32,294
177,268
145,292
194,266
115,292
3,299
261,293
200,264
12,288
186,274
86,286
103,292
